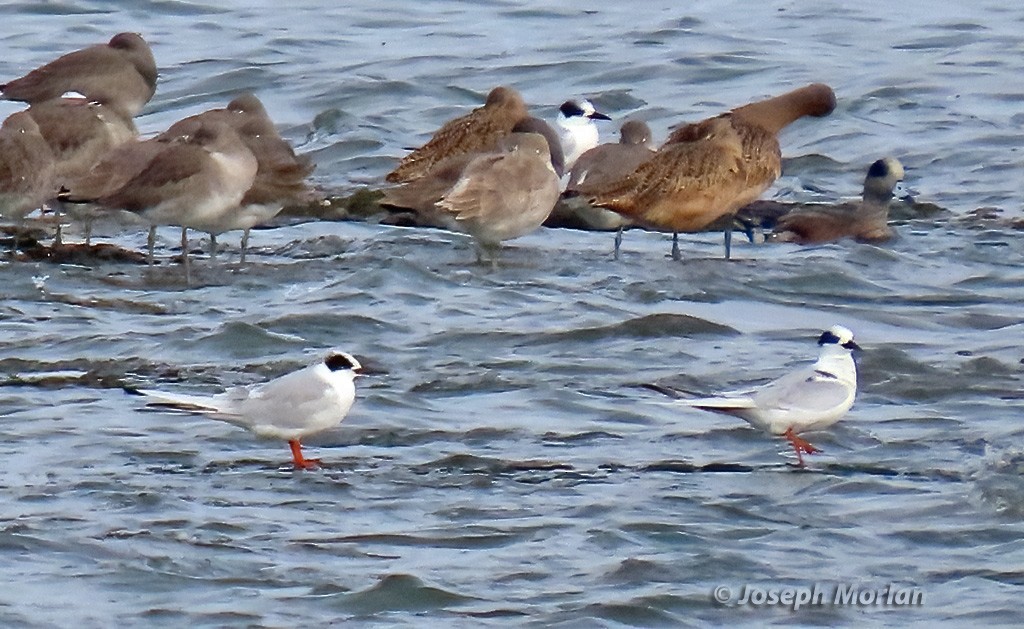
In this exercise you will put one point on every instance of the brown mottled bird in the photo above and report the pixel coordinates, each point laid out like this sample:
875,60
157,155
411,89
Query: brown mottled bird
868,221
477,131
121,73
710,169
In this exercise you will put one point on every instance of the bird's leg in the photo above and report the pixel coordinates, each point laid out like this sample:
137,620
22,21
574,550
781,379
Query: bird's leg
58,236
801,446
675,247
297,458
245,245
150,244
728,241
618,240
213,246
184,256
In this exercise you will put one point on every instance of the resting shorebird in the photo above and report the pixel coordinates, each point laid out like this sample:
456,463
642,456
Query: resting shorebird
707,170
191,182
120,73
606,163
26,168
504,195
478,130
281,175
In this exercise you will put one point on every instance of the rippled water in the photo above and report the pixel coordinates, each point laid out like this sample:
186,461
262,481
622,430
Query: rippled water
503,464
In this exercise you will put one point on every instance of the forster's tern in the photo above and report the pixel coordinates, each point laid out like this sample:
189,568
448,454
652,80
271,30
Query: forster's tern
121,73
504,195
706,171
294,406
810,398
478,130
576,129
868,221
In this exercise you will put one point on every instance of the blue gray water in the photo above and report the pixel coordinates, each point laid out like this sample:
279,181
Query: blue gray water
503,464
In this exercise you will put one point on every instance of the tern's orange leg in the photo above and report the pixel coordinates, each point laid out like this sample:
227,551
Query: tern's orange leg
297,458
801,446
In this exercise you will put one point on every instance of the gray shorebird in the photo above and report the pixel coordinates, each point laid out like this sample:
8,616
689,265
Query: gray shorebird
281,175
606,163
26,168
192,182
504,195
121,73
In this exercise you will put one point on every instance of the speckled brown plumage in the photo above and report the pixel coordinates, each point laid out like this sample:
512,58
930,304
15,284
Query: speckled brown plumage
477,131
710,169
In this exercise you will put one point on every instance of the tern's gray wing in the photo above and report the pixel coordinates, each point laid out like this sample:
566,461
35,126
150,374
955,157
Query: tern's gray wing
806,391
288,402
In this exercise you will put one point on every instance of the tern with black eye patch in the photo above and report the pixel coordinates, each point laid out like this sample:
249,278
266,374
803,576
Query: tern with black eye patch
811,398
292,407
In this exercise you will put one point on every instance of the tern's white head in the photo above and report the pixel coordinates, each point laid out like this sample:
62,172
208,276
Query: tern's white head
576,129
580,112
341,361
839,336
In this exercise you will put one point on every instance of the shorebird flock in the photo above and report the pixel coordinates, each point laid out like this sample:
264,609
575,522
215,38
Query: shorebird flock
495,173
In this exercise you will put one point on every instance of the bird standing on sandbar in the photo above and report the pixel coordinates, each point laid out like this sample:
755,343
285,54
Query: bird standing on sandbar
707,170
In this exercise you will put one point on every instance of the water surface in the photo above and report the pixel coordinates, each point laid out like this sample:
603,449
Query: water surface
503,464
